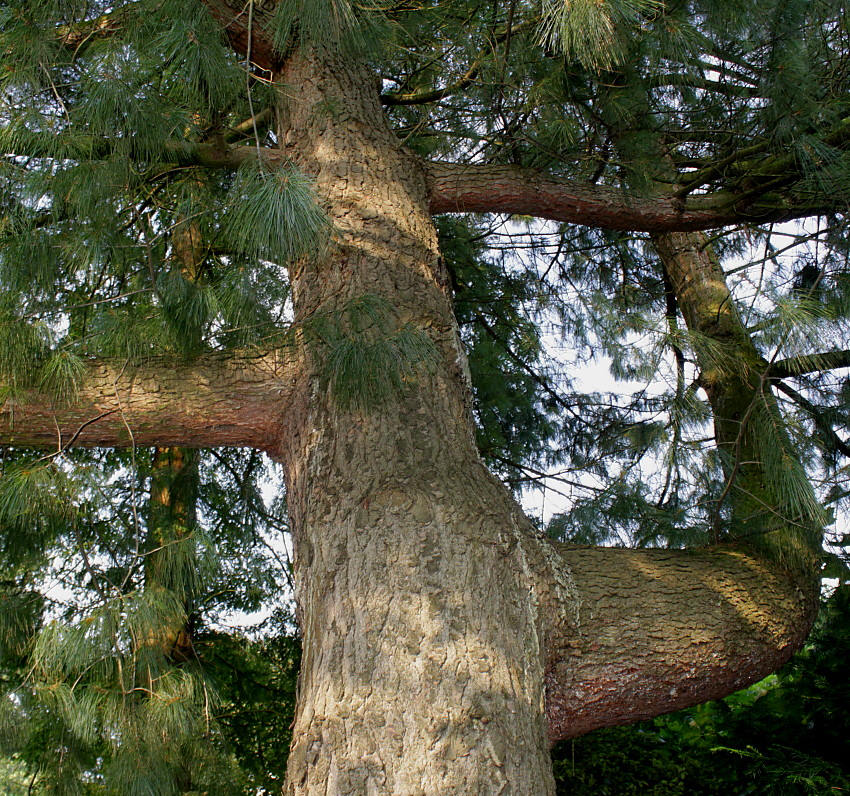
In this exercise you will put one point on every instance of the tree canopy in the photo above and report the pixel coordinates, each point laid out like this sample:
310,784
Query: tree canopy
197,200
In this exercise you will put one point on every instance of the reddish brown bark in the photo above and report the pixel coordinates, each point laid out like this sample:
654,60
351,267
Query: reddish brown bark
652,631
213,401
478,188
410,559
248,27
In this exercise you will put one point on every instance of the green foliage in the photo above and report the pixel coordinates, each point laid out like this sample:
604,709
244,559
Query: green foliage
103,690
366,356
197,65
273,214
112,244
259,678
592,31
352,27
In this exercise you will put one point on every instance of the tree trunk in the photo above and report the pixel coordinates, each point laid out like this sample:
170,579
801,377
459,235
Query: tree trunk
171,519
422,668
443,636
172,514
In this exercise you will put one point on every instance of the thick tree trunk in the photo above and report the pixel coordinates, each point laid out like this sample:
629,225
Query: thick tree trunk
438,626
422,669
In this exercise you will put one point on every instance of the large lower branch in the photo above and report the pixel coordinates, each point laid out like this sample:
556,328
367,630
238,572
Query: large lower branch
480,188
213,401
651,631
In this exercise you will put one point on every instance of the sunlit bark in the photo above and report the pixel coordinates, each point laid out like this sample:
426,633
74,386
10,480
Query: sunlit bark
209,402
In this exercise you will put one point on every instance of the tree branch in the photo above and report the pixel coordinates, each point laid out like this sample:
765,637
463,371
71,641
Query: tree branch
423,97
823,426
216,400
247,128
77,37
233,17
809,363
660,630
480,188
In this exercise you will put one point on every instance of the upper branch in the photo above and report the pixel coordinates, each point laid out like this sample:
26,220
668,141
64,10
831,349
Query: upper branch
435,95
210,402
480,188
660,630
808,363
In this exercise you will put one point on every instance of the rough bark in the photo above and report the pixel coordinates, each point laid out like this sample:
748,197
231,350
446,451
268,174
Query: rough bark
212,401
433,616
651,631
421,670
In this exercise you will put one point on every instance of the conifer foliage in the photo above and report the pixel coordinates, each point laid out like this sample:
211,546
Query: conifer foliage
611,181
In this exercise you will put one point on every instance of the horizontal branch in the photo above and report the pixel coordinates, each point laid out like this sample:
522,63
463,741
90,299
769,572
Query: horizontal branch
808,363
660,630
211,402
77,36
480,188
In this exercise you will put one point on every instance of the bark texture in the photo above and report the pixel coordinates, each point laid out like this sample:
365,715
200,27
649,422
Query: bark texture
422,670
478,188
214,401
651,631
438,626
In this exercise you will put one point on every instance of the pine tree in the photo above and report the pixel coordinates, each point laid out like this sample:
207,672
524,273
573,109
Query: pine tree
232,225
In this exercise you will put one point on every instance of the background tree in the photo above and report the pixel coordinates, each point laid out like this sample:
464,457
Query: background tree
167,160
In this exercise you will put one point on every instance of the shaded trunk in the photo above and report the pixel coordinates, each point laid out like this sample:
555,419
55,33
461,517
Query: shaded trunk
171,570
171,520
